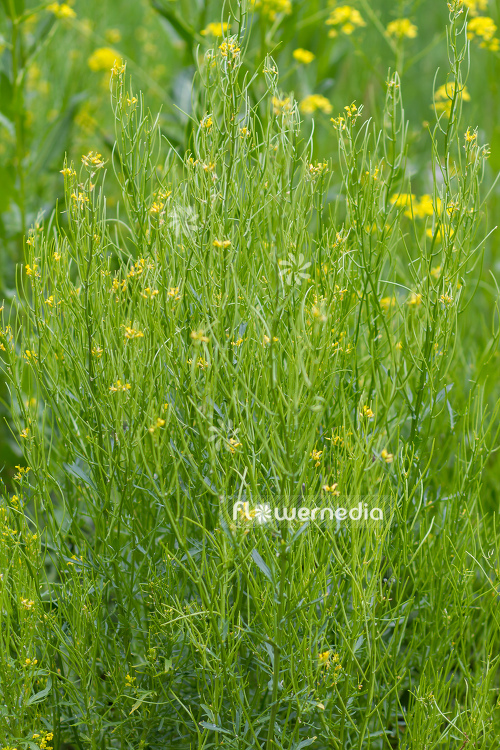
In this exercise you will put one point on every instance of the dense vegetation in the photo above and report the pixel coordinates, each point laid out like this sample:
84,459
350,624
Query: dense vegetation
276,293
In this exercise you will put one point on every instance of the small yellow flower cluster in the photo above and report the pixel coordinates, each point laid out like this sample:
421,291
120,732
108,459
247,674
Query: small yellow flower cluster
119,386
132,333
445,94
138,268
150,293
281,106
80,199
331,488
266,340
32,271
314,170
401,28
230,49
201,362
68,172
415,299
43,739
366,412
222,243
346,18
199,336
158,424
129,681
271,8
303,56
475,6
416,208
233,444
484,28
156,207
215,28
313,102
29,663
8,336
326,659
387,457
62,10
118,68
103,58
174,293
21,472
27,603
387,302
93,160
352,112
207,123
316,457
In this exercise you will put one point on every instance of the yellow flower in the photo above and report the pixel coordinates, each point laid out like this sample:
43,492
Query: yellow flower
432,234
445,94
415,299
93,159
303,56
271,8
403,200
387,457
199,336
402,27
222,243
120,387
387,302
316,456
316,101
61,11
425,206
280,106
229,49
484,27
436,272
132,333
103,58
366,412
159,423
446,299
475,6
233,444
324,658
216,29
347,18
332,488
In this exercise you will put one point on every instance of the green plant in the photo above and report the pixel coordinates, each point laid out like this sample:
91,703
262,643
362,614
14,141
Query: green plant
253,327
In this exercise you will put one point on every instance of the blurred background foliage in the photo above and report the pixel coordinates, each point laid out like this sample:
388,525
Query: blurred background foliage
55,61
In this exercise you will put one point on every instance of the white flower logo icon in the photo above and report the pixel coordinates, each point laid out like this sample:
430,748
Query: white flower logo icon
183,220
294,268
262,513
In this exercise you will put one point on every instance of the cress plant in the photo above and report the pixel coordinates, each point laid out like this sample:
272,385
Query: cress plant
252,325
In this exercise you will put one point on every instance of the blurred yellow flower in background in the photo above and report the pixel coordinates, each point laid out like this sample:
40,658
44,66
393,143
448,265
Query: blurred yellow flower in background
316,101
402,27
103,58
303,55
